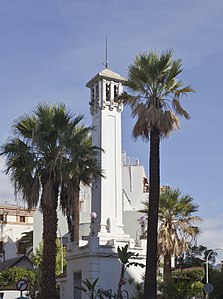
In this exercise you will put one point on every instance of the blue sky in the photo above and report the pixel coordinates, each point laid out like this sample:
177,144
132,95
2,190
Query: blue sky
51,48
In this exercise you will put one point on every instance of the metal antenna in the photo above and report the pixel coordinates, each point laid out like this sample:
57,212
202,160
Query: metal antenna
106,54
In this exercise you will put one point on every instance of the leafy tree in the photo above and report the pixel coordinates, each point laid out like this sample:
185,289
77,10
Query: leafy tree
185,283
153,88
192,274
43,159
216,278
180,289
9,278
37,257
195,256
176,225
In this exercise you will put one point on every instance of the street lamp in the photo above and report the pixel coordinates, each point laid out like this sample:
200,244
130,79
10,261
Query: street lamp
207,277
93,219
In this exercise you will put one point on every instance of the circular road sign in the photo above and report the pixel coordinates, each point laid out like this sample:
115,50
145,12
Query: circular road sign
208,288
21,285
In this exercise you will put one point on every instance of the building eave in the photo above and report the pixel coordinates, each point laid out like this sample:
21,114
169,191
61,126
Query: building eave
106,74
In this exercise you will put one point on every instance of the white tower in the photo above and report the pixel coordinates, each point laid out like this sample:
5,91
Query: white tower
106,119
96,255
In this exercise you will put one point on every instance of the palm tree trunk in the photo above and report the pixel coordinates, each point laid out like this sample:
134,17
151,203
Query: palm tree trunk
121,282
76,216
167,267
50,220
150,287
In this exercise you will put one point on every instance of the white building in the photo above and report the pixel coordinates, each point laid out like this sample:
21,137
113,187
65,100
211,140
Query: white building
14,221
120,192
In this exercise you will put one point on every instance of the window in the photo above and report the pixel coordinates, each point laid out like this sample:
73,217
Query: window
97,93
107,91
145,185
22,218
92,96
3,218
21,248
1,247
77,282
115,91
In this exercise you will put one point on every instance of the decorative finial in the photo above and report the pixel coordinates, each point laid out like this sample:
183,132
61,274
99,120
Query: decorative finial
92,227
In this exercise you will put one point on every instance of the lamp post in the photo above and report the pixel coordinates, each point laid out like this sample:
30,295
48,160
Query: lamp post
93,219
207,257
207,269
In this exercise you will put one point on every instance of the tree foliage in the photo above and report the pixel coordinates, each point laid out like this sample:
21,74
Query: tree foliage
154,93
192,274
181,289
177,225
37,257
9,277
195,256
216,278
44,158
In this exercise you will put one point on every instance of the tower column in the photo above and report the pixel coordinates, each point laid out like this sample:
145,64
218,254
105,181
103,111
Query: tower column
106,120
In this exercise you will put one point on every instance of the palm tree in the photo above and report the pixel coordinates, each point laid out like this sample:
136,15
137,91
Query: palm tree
177,227
83,167
43,158
154,99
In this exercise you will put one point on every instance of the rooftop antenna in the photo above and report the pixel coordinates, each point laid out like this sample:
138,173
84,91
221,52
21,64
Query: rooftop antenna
106,54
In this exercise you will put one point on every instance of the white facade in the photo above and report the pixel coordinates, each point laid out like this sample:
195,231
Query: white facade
135,191
135,184
14,221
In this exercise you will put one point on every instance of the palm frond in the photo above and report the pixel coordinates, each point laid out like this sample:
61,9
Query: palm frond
153,84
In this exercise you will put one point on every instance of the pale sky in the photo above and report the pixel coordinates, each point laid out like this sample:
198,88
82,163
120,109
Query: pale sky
51,48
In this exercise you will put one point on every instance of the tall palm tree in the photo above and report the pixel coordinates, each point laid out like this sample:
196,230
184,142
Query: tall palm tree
177,227
43,158
81,169
154,99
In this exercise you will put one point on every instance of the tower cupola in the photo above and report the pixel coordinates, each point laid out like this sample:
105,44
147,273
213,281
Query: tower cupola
105,87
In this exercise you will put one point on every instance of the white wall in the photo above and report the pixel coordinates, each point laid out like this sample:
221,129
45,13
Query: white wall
11,228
